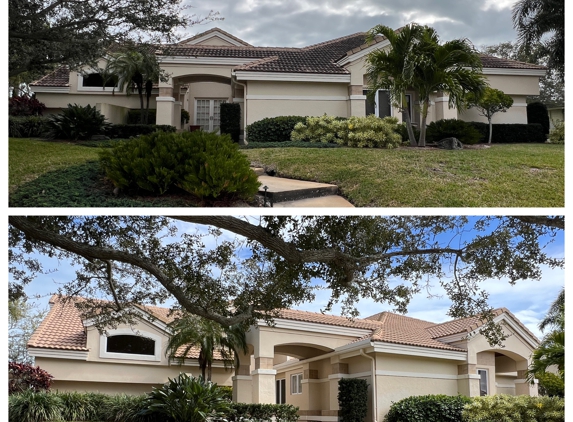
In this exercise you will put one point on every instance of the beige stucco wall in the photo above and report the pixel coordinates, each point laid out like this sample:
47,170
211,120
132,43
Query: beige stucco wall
102,387
61,100
516,114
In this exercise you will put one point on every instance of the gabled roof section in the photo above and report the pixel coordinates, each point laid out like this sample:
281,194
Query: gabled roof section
215,33
497,62
58,78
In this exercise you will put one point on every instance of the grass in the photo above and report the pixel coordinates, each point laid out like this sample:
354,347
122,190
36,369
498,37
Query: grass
60,174
510,175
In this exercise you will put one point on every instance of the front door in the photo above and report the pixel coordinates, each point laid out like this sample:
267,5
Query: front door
208,114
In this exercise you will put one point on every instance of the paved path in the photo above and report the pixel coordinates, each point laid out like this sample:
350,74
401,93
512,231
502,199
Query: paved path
286,193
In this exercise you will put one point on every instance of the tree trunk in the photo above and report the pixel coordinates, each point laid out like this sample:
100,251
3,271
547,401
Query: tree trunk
490,130
422,142
406,113
148,88
202,364
140,92
209,370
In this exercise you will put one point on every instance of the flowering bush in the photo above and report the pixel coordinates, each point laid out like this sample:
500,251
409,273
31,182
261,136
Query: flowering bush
504,408
557,135
25,106
23,377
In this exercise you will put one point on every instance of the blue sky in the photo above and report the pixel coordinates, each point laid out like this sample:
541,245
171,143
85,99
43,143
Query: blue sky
299,23
527,299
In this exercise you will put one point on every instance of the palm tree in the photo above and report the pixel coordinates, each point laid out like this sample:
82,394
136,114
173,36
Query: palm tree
192,331
555,313
393,69
136,70
453,67
534,19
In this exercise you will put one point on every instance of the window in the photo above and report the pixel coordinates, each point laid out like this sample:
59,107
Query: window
133,345
483,390
96,80
379,104
280,391
296,384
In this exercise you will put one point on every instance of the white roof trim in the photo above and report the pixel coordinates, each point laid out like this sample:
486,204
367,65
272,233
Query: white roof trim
243,75
233,61
50,89
213,35
58,353
320,328
401,349
144,316
364,52
531,341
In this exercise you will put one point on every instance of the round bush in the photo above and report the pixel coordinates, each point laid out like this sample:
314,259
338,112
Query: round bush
204,164
452,128
431,408
273,129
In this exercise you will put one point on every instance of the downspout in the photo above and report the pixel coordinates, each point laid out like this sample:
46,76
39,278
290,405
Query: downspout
244,107
374,396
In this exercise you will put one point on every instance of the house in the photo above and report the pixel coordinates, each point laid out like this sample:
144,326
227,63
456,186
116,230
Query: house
215,67
300,360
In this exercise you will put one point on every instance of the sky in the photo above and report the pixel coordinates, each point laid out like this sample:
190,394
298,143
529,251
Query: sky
528,300
299,23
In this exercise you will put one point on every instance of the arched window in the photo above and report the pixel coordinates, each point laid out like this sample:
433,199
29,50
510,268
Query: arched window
134,345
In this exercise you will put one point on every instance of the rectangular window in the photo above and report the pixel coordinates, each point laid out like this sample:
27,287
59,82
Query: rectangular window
296,384
384,108
280,391
483,390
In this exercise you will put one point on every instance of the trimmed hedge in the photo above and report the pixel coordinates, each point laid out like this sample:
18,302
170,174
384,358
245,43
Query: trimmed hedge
273,129
131,130
452,128
134,117
231,120
504,408
28,126
430,408
510,133
352,399
537,113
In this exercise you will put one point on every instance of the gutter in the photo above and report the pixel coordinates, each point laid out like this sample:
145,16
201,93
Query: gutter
374,396
234,79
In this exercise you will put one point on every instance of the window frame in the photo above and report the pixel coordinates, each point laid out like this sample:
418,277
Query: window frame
104,354
280,391
486,372
296,381
81,86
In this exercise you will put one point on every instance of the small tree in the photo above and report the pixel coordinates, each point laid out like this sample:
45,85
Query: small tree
353,399
492,101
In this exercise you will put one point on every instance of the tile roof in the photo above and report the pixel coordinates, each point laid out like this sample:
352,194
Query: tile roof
321,58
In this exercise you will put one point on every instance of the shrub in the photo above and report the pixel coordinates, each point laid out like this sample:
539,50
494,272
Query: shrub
557,135
537,113
77,122
134,117
403,132
25,106
27,126
81,406
187,399
130,130
453,128
273,129
504,408
430,408
203,164
185,116
231,120
262,412
318,129
31,406
507,133
550,384
126,408
24,377
352,399
370,131
227,391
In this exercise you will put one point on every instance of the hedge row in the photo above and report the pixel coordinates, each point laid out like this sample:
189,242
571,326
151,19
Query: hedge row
511,133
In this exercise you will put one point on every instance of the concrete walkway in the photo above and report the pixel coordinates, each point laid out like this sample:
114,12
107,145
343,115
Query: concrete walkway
285,193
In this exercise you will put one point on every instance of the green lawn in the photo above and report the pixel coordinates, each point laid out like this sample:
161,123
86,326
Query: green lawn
522,175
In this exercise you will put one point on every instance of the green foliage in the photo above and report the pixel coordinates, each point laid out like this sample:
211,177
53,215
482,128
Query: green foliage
23,319
258,412
551,384
504,408
134,117
127,408
510,133
231,120
31,406
447,128
227,392
25,106
185,116
537,113
273,129
402,130
24,377
127,131
557,135
27,126
430,408
352,399
490,102
76,122
323,129
203,164
187,399
81,406
288,144
370,131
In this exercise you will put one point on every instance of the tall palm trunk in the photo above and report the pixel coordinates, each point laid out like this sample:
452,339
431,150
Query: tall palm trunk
148,88
425,106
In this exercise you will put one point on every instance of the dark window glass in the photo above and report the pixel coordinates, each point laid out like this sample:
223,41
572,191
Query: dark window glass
383,104
370,104
134,345
96,80
280,391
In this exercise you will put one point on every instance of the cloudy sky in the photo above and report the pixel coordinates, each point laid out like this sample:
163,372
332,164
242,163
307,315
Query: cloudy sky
529,300
299,23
